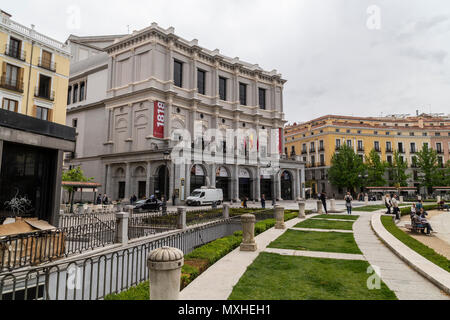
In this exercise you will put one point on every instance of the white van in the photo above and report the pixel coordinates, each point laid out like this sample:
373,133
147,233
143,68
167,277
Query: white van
205,196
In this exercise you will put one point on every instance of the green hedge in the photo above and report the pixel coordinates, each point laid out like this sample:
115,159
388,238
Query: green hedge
206,256
407,211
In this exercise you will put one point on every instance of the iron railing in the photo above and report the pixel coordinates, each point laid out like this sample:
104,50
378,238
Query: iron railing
95,277
35,248
151,223
11,84
15,52
49,95
47,64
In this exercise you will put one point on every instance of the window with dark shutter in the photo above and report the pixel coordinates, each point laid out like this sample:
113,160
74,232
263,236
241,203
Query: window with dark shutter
201,81
243,94
178,73
223,88
262,98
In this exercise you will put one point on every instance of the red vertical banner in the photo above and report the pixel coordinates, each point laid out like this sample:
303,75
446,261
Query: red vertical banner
281,140
159,119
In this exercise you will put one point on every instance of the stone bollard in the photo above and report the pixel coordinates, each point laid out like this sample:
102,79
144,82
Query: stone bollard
181,223
248,230
279,217
301,210
333,205
402,199
366,200
165,273
383,199
319,207
122,227
226,211
438,199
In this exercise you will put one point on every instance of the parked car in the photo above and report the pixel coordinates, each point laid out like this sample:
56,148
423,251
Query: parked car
205,196
148,205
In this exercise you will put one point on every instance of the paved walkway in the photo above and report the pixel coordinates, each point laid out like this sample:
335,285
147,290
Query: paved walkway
398,276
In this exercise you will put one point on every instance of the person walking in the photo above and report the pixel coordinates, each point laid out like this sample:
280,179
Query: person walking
348,203
395,207
164,205
99,199
263,201
245,202
105,199
323,198
388,204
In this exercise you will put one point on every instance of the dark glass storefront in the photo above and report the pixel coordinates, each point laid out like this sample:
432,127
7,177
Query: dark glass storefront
29,172
286,186
266,188
245,188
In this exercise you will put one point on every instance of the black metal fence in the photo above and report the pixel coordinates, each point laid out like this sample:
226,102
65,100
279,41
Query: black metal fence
98,276
73,220
151,223
45,246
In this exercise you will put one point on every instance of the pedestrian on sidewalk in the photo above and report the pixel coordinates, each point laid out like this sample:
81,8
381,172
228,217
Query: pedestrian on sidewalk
388,204
164,205
323,198
263,201
395,206
244,203
348,202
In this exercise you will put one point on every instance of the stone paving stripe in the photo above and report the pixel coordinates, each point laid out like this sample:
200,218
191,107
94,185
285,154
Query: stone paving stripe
316,254
321,230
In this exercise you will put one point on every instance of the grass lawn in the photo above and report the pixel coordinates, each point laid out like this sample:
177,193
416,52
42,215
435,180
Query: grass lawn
370,208
416,245
276,277
140,292
326,224
337,216
317,241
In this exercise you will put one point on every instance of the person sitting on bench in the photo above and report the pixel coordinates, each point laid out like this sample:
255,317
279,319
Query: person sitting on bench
424,222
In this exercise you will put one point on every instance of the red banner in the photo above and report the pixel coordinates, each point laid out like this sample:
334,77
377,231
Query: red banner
159,119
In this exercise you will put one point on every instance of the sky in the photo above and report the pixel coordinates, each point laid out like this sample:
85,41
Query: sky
343,57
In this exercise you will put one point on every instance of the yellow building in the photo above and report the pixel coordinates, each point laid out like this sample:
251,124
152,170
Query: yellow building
317,140
34,72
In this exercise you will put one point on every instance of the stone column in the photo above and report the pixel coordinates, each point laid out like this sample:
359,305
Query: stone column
128,182
279,217
366,200
258,185
226,211
402,199
248,228
148,177
109,187
165,273
278,184
333,205
319,207
181,223
236,184
383,199
438,198
1,153
301,210
122,227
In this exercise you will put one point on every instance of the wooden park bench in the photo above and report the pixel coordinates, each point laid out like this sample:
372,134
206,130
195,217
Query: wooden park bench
415,228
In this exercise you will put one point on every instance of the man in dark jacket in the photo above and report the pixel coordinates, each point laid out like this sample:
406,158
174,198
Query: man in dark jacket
323,198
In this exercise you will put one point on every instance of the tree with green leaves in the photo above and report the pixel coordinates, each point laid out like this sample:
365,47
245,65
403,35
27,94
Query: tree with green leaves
376,169
428,167
398,168
347,169
74,175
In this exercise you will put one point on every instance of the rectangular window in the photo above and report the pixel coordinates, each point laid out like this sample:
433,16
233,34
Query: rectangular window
388,147
11,76
360,145
14,49
400,147
413,147
439,148
82,90
262,98
322,160
243,94
349,143
74,123
69,95
178,73
42,113
377,145
389,159
223,88
10,105
201,81
46,60
321,147
75,93
338,143
45,84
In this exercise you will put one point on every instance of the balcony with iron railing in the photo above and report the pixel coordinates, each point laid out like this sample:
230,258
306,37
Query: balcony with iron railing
44,94
11,84
377,149
360,149
47,64
337,148
401,150
15,52
321,149
304,151
440,151
413,151
388,150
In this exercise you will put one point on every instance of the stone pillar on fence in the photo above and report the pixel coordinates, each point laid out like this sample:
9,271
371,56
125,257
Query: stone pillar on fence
165,273
333,205
279,217
319,207
122,227
248,230
438,199
301,210
226,211
366,200
402,199
181,222
383,199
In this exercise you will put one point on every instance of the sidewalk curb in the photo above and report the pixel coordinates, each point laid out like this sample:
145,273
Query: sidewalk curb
426,268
